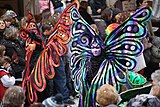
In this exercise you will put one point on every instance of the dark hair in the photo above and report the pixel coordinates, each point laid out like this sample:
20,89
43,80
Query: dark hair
106,13
139,2
8,7
84,4
46,26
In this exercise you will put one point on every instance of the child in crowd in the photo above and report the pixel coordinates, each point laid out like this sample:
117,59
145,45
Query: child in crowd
5,79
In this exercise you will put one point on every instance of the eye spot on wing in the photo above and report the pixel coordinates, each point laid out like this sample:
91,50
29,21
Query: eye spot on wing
75,15
79,26
74,44
127,64
135,29
144,13
83,27
129,28
126,46
132,48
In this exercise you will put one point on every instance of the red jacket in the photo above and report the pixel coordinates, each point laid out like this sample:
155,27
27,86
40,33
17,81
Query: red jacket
2,88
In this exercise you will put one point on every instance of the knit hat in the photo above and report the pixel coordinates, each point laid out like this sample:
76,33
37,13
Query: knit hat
55,101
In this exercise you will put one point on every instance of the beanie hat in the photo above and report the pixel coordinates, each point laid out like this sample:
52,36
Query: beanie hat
55,101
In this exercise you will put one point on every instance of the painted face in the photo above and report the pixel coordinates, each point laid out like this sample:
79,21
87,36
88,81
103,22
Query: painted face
95,49
2,25
32,26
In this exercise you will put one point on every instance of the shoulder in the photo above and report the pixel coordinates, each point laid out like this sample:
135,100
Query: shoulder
2,72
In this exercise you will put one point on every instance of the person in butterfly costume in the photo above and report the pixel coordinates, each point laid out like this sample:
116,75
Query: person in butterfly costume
34,78
122,46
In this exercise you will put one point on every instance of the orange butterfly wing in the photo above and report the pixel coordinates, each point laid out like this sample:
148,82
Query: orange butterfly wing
50,56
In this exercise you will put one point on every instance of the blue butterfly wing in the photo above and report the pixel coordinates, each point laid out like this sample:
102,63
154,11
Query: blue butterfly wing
123,45
83,35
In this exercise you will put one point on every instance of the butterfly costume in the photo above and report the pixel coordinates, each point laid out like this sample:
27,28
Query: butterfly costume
114,56
34,78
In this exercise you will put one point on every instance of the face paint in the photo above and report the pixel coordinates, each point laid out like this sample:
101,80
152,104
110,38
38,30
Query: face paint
95,48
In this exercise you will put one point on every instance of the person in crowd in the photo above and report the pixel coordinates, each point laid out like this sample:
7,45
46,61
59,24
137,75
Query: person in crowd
108,15
97,6
118,4
156,16
148,100
155,90
15,51
144,100
58,83
122,16
151,55
141,3
83,12
54,101
156,8
2,50
14,97
6,80
2,27
148,41
46,29
59,5
107,95
10,18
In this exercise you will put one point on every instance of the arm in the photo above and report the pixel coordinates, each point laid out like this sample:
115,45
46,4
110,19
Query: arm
7,81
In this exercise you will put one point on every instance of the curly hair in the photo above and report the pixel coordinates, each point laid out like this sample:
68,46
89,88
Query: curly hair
106,95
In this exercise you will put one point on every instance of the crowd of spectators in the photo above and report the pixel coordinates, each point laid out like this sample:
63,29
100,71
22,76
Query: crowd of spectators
60,88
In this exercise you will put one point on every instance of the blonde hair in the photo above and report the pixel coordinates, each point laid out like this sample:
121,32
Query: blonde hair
106,95
14,97
5,59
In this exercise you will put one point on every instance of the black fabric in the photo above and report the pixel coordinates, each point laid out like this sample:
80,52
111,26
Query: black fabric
15,50
144,101
57,3
83,12
131,93
97,4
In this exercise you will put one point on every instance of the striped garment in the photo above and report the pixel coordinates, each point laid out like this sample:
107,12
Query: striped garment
156,8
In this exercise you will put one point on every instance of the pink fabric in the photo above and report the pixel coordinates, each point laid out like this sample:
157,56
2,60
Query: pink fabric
44,5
